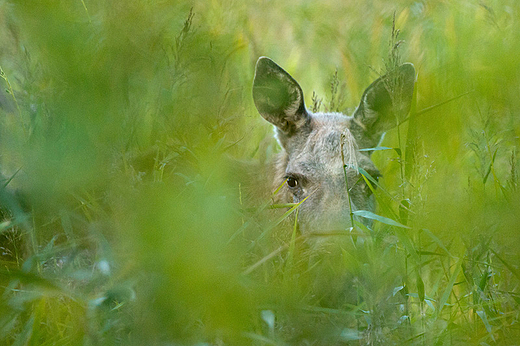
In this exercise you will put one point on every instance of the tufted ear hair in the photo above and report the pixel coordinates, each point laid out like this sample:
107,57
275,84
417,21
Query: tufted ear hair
388,97
279,98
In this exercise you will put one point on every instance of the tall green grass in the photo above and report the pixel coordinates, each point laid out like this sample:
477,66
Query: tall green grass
136,203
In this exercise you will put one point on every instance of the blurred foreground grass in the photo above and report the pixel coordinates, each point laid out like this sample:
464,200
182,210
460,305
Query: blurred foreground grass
141,217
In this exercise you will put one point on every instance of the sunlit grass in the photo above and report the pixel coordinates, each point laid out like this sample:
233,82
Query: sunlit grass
135,192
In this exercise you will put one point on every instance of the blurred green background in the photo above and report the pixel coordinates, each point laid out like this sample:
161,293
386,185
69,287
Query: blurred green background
135,203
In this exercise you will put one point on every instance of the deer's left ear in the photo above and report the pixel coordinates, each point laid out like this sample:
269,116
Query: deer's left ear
387,98
278,97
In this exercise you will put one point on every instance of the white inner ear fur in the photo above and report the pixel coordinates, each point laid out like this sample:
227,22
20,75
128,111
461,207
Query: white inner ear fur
369,115
294,106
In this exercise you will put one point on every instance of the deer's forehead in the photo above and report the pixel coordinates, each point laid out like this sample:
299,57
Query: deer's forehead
325,150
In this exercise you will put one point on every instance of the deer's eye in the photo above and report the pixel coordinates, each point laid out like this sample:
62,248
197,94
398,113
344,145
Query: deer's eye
292,182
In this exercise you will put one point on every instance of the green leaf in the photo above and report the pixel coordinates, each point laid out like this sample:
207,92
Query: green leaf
428,109
363,227
375,149
484,319
403,211
401,235
369,215
367,176
430,304
5,225
436,240
351,334
508,266
397,289
483,280
411,139
420,287
269,318
449,287
277,222
25,336
467,275
490,166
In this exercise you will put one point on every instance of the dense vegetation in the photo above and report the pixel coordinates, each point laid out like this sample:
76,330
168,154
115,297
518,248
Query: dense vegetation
134,210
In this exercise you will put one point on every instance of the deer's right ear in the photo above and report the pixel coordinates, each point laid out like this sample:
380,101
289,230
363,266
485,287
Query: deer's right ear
386,100
278,97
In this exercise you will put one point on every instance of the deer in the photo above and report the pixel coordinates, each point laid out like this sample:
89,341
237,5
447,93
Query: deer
323,154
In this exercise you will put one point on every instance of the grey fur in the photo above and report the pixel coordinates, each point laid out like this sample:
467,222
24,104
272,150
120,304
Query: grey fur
312,143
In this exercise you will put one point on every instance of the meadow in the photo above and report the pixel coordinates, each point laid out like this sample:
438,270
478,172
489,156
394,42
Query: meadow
135,200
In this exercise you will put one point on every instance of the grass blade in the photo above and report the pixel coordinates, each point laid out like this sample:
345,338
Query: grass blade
25,336
483,317
449,287
369,215
436,240
508,266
